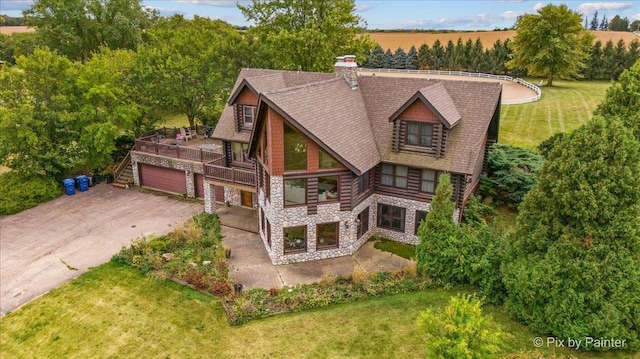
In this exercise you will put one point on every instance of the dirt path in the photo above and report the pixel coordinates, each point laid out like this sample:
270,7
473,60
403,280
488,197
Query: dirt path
510,90
45,246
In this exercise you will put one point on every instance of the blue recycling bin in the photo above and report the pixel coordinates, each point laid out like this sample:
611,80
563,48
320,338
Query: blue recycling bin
69,186
83,183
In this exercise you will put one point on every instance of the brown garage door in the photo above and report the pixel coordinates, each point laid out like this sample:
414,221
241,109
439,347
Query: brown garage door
164,179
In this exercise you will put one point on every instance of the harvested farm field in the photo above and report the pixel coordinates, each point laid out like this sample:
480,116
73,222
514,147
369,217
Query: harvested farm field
393,40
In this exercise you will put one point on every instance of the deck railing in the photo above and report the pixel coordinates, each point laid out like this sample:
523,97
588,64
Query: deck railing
229,174
149,144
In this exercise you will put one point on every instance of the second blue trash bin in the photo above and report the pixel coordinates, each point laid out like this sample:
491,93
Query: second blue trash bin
83,183
69,186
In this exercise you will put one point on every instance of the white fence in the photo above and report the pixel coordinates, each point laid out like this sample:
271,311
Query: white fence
520,81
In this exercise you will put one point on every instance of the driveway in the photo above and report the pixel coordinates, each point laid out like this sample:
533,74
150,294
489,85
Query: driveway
45,246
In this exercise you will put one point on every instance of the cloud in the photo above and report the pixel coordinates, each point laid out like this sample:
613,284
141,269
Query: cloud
219,3
363,8
592,7
162,11
461,22
538,6
635,17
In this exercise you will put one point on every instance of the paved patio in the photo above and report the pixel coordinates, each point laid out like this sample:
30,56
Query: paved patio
251,266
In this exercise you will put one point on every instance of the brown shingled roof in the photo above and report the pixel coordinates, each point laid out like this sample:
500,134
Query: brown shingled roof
260,80
353,124
334,115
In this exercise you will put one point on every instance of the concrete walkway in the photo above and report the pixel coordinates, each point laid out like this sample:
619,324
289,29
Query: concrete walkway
47,245
251,266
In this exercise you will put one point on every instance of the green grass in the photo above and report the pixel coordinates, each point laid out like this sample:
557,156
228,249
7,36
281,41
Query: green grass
174,121
563,107
115,311
400,249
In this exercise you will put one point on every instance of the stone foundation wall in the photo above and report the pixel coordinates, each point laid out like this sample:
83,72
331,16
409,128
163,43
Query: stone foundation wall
232,195
281,218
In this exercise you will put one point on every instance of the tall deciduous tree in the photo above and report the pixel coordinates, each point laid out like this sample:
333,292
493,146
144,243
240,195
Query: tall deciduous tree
551,43
305,35
77,28
572,268
190,65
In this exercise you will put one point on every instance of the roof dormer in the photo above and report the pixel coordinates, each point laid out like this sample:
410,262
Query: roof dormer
423,122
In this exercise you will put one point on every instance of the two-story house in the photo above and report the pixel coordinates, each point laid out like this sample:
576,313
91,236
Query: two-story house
328,160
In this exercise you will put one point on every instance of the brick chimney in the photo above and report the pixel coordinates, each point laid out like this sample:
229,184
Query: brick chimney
346,67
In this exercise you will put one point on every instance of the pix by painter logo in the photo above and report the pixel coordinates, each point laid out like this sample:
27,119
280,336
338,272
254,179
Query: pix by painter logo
574,343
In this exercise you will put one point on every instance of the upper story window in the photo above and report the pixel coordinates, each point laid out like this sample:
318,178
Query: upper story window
237,151
428,181
419,134
295,192
326,161
295,150
328,188
248,114
394,176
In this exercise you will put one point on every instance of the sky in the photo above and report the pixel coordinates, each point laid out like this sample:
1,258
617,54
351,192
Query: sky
415,14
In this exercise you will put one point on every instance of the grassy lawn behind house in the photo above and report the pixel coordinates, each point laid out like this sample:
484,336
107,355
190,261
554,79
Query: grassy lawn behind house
563,107
115,311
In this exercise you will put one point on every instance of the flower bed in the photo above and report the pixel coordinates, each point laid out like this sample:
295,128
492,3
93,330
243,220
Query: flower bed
260,303
193,253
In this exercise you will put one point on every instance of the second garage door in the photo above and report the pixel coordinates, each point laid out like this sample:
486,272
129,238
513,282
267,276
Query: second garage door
164,179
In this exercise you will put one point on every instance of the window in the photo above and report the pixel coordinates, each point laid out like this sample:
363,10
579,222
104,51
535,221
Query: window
295,239
248,113
237,151
419,134
428,181
262,225
328,188
267,185
327,235
363,182
363,222
295,191
295,150
391,217
326,161
269,233
420,215
394,176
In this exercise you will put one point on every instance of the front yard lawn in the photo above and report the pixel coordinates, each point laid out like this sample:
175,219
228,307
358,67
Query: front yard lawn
116,311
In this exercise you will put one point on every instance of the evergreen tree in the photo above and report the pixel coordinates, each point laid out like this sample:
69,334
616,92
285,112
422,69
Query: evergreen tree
424,57
387,60
572,268
438,56
435,231
608,60
594,22
619,58
400,59
449,53
604,24
633,53
376,57
412,59
594,69
623,100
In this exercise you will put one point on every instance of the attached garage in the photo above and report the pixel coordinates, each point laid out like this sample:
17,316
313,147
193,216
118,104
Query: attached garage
219,190
164,179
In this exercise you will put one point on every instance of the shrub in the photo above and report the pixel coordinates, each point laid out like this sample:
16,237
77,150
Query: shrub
511,173
461,331
572,268
18,192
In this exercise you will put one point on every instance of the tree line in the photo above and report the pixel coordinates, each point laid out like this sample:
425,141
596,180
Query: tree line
604,62
617,23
